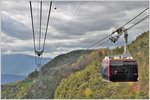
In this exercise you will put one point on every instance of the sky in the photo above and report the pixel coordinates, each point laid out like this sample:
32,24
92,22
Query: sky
73,25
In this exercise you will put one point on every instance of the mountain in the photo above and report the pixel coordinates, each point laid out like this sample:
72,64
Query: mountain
18,64
53,72
9,78
82,78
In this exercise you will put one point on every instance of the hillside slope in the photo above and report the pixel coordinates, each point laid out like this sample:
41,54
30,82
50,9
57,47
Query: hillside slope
53,72
88,82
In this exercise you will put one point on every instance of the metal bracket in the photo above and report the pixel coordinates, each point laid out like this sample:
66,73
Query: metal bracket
126,52
119,32
39,53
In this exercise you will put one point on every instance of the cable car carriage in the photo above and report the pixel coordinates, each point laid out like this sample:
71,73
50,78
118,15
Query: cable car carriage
120,68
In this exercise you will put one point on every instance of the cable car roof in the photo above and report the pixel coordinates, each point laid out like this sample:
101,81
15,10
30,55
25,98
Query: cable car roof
118,58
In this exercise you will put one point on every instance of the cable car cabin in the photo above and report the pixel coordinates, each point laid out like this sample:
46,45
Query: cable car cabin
119,70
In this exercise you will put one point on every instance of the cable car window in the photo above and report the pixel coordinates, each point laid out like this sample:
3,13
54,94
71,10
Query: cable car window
116,63
130,66
132,69
104,67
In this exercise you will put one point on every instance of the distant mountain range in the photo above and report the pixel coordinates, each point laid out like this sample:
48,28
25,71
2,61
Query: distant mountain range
17,66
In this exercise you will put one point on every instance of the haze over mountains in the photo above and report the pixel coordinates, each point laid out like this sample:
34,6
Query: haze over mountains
17,66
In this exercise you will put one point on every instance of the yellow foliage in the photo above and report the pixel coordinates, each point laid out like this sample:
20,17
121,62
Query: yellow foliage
88,92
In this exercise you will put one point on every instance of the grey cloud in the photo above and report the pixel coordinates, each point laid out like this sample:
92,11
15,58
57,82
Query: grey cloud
97,20
92,16
14,28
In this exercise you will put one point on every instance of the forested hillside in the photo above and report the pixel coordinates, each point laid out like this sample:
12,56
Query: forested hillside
53,72
82,78
88,82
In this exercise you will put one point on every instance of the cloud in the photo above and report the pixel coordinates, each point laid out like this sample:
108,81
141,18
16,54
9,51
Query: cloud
68,29
14,28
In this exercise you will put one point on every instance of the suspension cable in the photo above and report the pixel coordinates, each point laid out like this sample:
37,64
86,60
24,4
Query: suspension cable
138,22
75,13
99,41
122,26
47,25
135,17
40,25
103,42
74,60
71,20
32,25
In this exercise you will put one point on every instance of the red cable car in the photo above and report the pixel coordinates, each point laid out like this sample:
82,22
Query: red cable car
122,67
119,70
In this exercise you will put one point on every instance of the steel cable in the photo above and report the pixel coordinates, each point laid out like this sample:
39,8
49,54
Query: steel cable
138,22
47,25
40,25
135,17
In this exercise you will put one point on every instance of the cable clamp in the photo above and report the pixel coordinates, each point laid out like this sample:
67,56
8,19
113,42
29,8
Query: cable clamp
39,53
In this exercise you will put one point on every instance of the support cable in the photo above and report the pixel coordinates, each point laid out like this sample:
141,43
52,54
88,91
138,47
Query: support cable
32,25
75,13
135,17
40,25
47,25
138,22
99,41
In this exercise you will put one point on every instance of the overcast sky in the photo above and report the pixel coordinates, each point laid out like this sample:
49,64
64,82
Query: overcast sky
72,26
